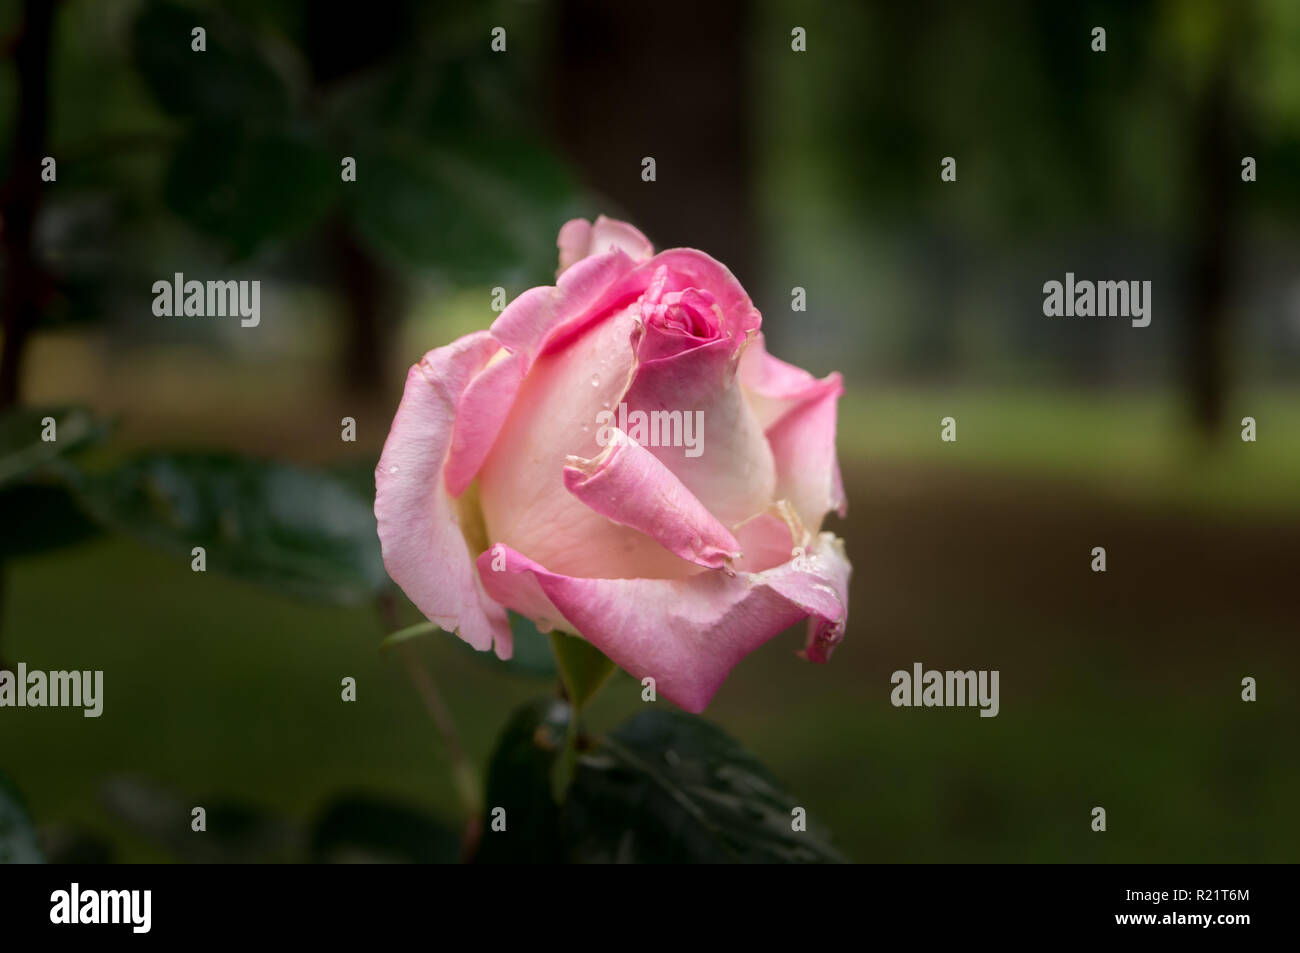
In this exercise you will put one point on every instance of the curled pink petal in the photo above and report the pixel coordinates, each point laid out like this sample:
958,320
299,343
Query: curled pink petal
687,634
424,548
579,238
625,483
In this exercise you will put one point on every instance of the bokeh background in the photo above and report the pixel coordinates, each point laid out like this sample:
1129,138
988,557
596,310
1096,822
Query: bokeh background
817,169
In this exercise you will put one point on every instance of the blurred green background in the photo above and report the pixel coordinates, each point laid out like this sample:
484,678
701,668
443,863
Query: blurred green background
818,170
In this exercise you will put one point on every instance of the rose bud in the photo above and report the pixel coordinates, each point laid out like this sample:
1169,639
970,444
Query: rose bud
619,458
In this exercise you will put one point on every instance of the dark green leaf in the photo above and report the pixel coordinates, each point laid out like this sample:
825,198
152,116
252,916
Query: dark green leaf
669,787
519,782
231,78
303,532
361,827
244,185
665,787
17,835
23,452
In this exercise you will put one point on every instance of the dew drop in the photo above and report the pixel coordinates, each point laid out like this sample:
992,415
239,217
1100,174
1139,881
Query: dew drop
595,380
392,469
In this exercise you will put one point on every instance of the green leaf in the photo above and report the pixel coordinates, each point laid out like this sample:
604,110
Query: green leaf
245,185
667,787
583,667
408,633
519,781
303,532
365,828
231,78
17,835
23,452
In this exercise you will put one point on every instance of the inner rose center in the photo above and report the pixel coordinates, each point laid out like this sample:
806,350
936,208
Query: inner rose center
690,312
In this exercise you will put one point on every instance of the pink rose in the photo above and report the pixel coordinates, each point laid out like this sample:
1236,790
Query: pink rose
618,457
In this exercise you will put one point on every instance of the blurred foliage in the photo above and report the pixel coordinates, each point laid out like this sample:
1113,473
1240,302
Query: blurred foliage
24,450
352,828
448,175
1067,159
303,532
17,835
172,159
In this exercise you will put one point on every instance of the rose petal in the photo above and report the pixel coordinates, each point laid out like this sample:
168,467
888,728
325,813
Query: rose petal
798,413
556,415
522,330
578,239
423,546
687,634
803,445
771,538
732,471
683,268
626,484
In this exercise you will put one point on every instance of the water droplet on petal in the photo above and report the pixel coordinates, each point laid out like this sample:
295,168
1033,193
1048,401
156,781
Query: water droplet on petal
392,469
595,380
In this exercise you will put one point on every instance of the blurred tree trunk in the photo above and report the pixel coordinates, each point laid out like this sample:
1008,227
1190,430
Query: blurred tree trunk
368,297
669,80
25,282
337,49
1214,207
